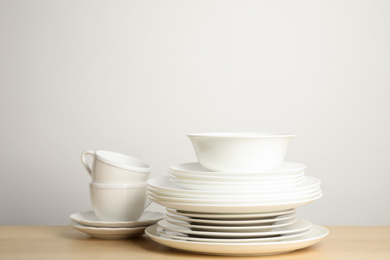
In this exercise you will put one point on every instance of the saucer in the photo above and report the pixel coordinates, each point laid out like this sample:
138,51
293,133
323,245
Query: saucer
110,233
89,219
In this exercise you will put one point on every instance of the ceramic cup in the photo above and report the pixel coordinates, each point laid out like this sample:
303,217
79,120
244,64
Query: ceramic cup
118,202
110,167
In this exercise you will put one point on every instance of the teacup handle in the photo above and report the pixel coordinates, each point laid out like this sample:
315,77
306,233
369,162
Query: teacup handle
84,161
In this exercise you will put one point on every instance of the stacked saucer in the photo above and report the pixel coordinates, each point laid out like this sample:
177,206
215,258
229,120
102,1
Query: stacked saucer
239,199
118,197
88,223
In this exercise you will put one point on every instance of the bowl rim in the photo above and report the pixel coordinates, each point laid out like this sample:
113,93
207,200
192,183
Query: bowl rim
241,135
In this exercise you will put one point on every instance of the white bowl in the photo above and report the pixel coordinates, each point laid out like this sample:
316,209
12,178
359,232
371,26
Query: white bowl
243,152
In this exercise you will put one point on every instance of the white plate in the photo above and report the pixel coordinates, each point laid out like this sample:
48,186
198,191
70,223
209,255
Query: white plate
287,168
89,219
228,178
255,200
180,236
262,227
234,208
299,225
242,249
234,197
110,233
236,186
232,222
163,184
231,216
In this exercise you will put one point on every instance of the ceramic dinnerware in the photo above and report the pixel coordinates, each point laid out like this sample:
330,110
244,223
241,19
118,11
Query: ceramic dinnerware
242,152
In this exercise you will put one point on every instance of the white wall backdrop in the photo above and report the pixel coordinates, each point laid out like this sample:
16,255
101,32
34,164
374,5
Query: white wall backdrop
136,76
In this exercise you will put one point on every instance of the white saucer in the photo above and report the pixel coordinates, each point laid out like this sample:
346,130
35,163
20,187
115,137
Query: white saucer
231,216
89,219
286,168
110,233
241,249
299,225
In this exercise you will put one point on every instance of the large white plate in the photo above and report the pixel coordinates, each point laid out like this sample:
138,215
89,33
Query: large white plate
235,196
181,236
232,222
287,168
236,186
110,233
89,219
163,184
231,216
242,249
234,208
254,200
299,225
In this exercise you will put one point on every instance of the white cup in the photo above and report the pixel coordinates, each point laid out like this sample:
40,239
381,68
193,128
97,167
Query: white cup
119,202
110,167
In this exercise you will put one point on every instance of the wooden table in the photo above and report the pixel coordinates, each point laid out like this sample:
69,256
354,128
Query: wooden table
63,242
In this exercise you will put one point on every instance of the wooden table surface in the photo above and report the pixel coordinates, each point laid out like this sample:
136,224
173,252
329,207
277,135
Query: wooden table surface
63,242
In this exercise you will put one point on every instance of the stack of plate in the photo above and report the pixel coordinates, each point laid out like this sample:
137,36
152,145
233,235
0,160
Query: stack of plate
235,212
88,223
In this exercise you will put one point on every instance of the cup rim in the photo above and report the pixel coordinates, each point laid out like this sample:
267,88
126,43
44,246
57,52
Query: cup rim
122,161
99,185
241,135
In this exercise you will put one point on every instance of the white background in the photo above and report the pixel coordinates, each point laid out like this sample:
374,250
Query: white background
136,76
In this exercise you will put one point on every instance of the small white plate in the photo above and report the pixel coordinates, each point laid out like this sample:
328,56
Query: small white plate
262,227
163,184
180,236
231,222
228,178
110,233
242,249
299,225
231,216
287,168
89,219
